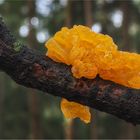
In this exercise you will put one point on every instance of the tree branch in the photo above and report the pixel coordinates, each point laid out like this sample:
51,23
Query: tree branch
31,69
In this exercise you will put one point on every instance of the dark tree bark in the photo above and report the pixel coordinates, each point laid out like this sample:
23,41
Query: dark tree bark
68,10
129,129
2,91
88,12
126,24
31,69
33,100
71,125
89,22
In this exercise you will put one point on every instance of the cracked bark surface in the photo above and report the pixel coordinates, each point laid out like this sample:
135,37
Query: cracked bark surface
32,69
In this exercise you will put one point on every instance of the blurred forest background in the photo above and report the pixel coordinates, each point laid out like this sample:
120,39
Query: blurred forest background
27,113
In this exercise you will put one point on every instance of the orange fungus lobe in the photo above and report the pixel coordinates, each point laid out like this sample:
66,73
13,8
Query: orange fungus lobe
72,110
91,53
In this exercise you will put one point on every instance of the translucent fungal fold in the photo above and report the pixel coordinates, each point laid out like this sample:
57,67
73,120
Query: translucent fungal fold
91,53
72,110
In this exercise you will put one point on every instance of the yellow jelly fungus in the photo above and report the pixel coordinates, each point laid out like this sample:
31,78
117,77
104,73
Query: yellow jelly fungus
72,110
91,53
